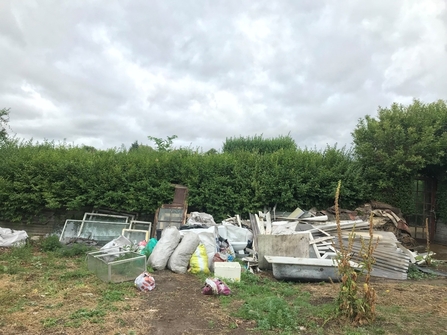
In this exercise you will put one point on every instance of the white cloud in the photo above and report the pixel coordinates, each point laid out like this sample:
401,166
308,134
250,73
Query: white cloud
105,73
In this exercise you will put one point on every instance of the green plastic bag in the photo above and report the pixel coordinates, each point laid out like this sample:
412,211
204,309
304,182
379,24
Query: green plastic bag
147,250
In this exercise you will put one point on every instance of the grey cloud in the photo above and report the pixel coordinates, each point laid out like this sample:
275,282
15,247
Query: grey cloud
114,72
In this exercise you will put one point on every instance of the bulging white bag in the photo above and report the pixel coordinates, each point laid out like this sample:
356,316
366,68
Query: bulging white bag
179,260
164,248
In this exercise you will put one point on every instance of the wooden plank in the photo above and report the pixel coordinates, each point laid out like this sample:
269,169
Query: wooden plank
255,231
317,252
321,239
329,254
296,214
323,232
238,220
316,218
260,225
268,221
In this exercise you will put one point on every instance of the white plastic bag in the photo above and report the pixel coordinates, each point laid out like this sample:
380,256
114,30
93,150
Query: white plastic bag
164,248
179,260
209,240
145,282
118,244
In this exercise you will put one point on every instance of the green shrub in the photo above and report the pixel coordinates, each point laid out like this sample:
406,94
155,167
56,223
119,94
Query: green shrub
50,243
74,250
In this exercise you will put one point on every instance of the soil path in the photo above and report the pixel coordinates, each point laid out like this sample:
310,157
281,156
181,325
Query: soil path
180,308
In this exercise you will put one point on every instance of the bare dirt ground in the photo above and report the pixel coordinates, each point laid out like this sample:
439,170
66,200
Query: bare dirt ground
175,306
181,308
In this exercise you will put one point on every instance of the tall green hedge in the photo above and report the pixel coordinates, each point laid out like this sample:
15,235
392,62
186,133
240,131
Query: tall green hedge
38,176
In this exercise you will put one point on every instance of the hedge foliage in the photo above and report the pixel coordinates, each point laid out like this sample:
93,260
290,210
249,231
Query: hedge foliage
37,176
258,144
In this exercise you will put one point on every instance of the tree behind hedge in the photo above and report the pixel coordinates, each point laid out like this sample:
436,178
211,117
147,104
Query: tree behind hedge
4,119
259,144
399,145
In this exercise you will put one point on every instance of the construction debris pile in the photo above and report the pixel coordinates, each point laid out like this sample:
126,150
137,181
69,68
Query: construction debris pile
391,236
301,245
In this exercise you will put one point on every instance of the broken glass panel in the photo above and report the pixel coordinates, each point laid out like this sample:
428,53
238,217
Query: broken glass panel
102,231
169,217
71,230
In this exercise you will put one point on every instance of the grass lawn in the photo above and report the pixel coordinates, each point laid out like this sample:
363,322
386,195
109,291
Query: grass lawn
47,289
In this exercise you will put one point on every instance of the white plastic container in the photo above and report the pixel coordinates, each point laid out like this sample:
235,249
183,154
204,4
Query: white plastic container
227,270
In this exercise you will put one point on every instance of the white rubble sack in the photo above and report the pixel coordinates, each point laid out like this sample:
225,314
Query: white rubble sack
179,260
164,248
10,238
208,237
201,218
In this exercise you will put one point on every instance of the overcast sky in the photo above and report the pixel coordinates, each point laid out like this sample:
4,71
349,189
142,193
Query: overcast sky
106,72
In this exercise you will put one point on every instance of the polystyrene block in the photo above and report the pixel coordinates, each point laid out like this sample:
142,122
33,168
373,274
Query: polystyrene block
227,270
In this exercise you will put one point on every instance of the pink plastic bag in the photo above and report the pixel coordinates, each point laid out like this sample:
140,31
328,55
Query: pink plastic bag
215,286
145,282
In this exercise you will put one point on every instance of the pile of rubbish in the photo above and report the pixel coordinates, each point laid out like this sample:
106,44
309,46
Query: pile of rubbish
320,241
301,245
198,245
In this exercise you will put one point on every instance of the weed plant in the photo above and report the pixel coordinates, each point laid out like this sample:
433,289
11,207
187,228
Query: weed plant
415,274
74,250
355,303
50,243
13,261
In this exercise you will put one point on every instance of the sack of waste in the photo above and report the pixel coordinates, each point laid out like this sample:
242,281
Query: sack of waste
179,260
164,248
145,282
215,286
199,260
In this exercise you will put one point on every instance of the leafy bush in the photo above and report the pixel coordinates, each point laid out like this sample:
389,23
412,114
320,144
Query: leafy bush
50,243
